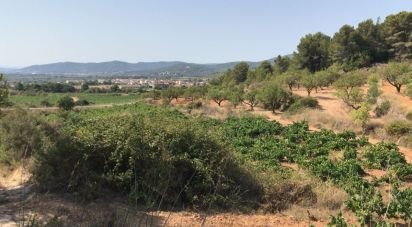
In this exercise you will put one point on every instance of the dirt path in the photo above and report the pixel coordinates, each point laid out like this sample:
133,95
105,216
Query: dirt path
17,199
13,189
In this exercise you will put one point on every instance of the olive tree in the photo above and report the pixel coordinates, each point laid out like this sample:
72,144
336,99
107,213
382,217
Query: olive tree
235,95
349,88
309,82
217,95
397,74
273,96
291,78
250,98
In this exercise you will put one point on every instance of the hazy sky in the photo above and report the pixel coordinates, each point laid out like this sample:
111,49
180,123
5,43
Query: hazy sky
202,31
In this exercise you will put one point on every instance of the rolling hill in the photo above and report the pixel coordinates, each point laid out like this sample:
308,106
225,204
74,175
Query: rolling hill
169,68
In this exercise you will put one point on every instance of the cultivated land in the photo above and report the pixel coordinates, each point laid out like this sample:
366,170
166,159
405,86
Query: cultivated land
321,137
35,100
329,198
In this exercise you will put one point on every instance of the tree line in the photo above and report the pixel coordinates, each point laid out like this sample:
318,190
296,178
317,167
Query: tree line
356,47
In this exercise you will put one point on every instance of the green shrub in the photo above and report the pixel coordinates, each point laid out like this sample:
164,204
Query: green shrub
366,203
46,103
402,171
349,154
401,205
398,128
155,157
82,102
66,103
383,155
338,221
23,134
373,89
383,108
303,102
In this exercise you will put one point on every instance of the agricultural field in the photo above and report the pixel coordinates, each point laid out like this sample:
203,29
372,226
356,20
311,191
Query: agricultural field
249,163
37,100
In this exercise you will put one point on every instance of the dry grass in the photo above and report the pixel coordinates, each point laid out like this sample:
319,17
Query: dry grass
329,198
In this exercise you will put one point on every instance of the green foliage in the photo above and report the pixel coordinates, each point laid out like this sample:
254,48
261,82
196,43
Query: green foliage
264,71
383,156
154,94
236,96
274,97
115,88
373,89
158,157
171,93
398,34
338,221
84,87
397,74
301,103
398,128
22,134
348,88
46,87
403,171
361,115
291,78
82,102
309,82
46,103
401,205
325,78
250,97
194,92
383,108
355,48
35,100
240,72
281,64
66,103
217,94
3,91
366,203
313,52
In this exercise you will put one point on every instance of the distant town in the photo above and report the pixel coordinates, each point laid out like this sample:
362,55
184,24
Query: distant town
142,82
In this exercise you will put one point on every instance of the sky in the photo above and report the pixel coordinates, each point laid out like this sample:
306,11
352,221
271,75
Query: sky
199,31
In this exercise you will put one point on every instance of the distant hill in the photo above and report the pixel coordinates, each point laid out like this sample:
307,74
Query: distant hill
6,69
166,68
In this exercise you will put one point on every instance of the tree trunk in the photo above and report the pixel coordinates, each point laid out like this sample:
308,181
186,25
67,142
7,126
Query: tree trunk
398,88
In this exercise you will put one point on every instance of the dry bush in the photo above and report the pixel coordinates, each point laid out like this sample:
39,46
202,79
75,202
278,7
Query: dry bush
321,119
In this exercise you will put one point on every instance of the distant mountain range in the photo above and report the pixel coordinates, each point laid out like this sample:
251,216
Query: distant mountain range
164,68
